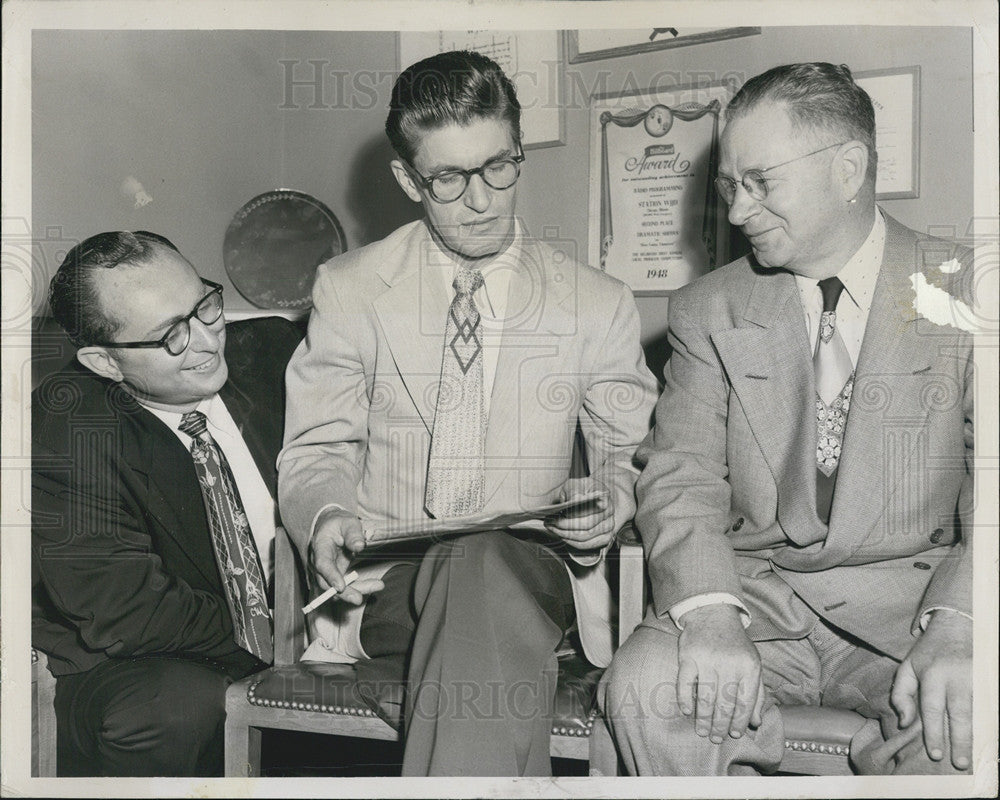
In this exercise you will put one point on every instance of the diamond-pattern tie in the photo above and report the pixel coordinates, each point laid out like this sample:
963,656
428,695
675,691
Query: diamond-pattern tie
834,386
456,467
232,540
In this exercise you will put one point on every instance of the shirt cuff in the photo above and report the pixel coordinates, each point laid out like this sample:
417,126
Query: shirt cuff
327,507
925,618
586,558
707,599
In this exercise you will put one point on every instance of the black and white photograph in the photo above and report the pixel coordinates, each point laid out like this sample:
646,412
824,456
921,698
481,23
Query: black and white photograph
487,399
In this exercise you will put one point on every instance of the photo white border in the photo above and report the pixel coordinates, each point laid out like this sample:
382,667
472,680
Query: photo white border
21,16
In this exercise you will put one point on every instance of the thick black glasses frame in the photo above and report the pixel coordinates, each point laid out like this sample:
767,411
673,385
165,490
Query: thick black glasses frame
162,341
428,182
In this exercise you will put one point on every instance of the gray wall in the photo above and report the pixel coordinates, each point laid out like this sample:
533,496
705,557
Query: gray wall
197,117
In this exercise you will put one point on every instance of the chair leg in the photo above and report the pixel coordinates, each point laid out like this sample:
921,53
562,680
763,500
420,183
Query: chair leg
35,750
43,719
242,738
603,754
242,751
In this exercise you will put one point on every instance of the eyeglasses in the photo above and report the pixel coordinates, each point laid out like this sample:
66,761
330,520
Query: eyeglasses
178,335
448,186
753,180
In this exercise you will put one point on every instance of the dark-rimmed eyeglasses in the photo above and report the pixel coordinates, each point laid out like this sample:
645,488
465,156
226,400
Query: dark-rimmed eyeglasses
753,180
178,336
448,186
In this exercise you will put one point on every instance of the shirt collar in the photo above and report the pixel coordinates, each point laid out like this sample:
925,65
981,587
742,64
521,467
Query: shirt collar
496,270
172,419
860,272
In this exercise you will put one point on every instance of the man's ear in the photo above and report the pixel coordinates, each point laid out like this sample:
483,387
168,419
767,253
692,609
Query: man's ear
101,362
853,165
405,180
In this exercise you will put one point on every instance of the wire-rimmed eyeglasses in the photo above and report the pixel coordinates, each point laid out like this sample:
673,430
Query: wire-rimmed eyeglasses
753,180
449,185
178,336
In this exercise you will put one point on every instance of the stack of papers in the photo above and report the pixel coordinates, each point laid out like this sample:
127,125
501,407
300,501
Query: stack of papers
406,530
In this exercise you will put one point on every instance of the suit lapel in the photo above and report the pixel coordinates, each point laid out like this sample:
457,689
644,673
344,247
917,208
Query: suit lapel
771,373
412,313
252,423
174,497
874,460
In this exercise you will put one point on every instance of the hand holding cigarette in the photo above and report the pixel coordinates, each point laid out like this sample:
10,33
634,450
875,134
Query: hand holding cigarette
337,541
349,578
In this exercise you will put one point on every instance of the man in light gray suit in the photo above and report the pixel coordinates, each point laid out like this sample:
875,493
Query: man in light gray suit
806,496
445,371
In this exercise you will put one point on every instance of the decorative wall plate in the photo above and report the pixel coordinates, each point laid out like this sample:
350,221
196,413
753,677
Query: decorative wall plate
274,244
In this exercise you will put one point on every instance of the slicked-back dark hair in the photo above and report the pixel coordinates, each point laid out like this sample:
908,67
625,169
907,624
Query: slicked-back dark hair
454,87
820,98
73,297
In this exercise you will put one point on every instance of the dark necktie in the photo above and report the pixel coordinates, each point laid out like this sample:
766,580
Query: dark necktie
456,467
232,541
834,385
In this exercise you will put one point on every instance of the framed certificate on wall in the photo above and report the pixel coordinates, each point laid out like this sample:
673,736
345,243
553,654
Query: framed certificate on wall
655,220
895,93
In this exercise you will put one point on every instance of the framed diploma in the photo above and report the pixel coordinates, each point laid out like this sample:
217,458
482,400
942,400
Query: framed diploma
655,219
591,45
531,59
895,93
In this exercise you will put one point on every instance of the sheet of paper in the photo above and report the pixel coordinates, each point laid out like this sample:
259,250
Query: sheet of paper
377,533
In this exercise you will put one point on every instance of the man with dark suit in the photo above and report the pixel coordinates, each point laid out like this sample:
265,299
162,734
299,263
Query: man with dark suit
445,371
806,496
153,475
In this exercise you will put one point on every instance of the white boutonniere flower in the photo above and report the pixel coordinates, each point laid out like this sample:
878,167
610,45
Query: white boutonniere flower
936,305
950,266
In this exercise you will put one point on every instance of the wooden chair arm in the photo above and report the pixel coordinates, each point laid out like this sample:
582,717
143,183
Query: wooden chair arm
631,581
289,597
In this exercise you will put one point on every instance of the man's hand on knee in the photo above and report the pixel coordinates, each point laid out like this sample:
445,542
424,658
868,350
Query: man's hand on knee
935,681
719,676
337,538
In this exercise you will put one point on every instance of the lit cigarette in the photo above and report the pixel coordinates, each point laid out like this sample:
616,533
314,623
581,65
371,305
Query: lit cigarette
349,578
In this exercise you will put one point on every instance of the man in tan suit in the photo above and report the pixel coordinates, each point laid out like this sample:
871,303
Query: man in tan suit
806,496
446,371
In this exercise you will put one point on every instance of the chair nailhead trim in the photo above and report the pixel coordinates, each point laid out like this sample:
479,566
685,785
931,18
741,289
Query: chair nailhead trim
814,747
557,730
562,730
300,706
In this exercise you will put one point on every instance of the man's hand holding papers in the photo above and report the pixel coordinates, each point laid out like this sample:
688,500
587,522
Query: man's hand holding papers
581,515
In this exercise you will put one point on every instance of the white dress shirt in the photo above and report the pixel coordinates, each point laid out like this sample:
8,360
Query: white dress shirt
257,501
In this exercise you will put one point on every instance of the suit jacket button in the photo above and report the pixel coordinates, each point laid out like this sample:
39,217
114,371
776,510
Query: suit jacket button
937,536
738,524
921,565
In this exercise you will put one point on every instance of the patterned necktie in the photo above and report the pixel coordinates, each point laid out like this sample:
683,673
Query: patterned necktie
232,541
834,385
456,468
